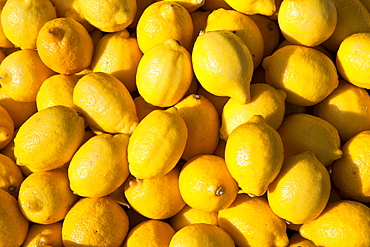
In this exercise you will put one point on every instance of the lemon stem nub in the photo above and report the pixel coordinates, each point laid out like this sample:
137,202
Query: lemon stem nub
219,191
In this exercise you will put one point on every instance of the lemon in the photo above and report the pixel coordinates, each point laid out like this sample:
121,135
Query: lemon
6,128
223,64
72,9
201,235
259,227
270,31
254,155
243,26
302,132
13,225
95,221
342,223
49,138
54,196
301,190
65,46
56,90
189,5
118,54
155,198
217,101
22,20
99,166
22,73
305,74
206,184
11,176
347,109
163,20
47,235
105,103
350,172
164,73
352,59
251,7
149,233
265,101
189,215
352,17
157,143
296,240
203,124
307,23
108,16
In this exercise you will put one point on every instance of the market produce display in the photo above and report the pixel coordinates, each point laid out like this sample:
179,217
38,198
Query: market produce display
184,123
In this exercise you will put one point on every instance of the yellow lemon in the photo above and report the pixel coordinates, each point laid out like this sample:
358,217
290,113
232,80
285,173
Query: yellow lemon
18,111
223,64
352,17
45,196
13,225
22,73
307,23
296,240
199,19
22,20
95,221
108,16
65,46
163,20
301,190
211,5
352,59
350,172
254,155
189,5
4,41
11,176
342,223
201,235
105,103
265,101
347,109
154,233
155,198
44,235
49,138
71,9
157,143
118,54
270,31
302,132
243,26
295,67
56,90
217,101
6,128
189,215
259,227
203,124
206,184
164,73
143,108
99,166
251,7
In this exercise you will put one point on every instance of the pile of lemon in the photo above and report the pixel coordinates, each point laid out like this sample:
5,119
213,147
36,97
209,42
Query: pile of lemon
200,123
